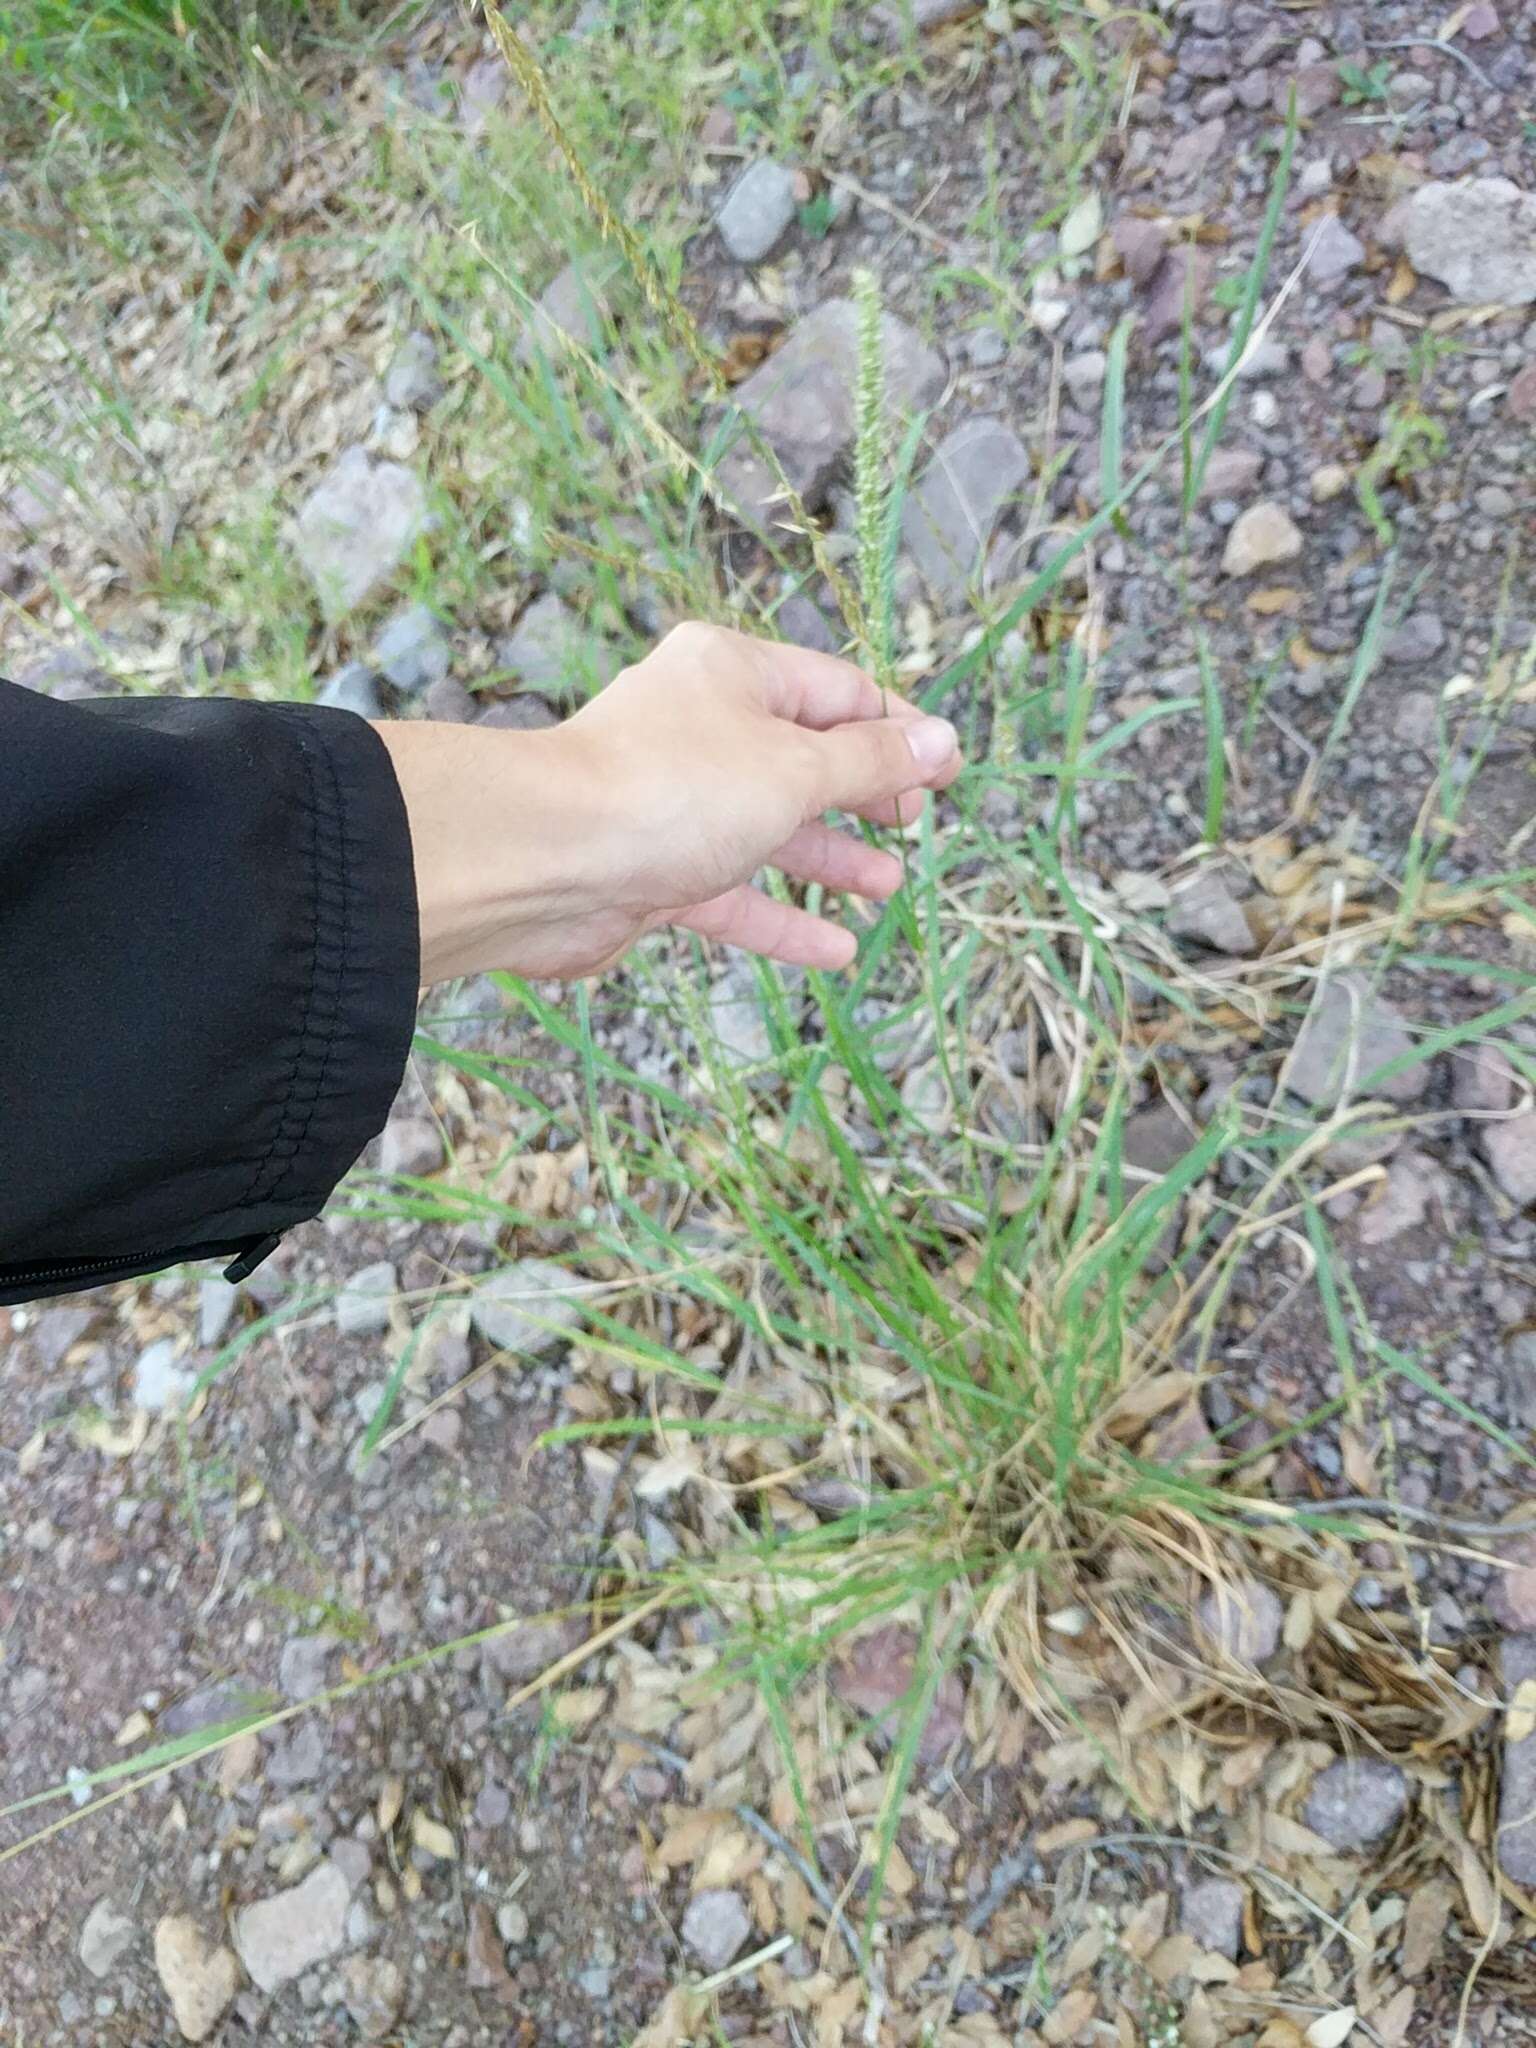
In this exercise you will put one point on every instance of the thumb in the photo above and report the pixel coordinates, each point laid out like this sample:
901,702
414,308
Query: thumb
879,758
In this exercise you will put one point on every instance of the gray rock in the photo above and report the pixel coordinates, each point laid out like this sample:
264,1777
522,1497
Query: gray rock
523,713
1516,1837
1478,238
804,624
738,1023
373,1990
354,1859
1207,912
571,304
1420,636
53,1330
412,383
160,1383
715,1926
449,702
1348,1034
481,92
802,402
531,1307
949,515
208,1706
356,527
493,1808
106,1937
550,649
1212,1913
1483,1081
1084,374
1155,1140
1243,1621
1356,1801
757,211
1206,57
68,679
1510,1149
987,347
1400,1203
1231,473
353,688
1369,390
299,1760
301,1668
1334,251
280,1938
216,1302
411,1144
926,1098
529,1649
895,19
413,650
362,1306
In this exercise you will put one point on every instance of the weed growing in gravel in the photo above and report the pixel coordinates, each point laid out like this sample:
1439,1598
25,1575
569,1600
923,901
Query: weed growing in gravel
929,1350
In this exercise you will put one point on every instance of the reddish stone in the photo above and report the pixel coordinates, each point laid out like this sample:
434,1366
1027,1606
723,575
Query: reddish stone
1521,396
877,1673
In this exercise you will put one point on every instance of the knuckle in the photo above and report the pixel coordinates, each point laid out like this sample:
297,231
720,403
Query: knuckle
696,638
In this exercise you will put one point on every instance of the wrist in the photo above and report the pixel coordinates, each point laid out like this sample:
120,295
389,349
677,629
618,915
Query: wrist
507,837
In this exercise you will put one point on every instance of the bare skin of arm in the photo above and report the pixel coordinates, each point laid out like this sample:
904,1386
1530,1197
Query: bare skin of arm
550,853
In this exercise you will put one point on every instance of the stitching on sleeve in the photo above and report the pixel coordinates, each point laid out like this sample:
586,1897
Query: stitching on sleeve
326,857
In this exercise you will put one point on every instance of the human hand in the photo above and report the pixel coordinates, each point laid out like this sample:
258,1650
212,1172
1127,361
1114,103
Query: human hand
550,853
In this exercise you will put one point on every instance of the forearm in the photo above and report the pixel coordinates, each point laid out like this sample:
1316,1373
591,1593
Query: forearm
507,836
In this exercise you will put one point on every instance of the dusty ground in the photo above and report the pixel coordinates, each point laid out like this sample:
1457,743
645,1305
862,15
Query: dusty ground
152,1582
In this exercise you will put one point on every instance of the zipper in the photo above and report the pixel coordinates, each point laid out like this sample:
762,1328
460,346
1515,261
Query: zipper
66,1269
245,1256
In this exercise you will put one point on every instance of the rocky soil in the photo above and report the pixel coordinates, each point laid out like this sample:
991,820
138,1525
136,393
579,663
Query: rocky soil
430,1861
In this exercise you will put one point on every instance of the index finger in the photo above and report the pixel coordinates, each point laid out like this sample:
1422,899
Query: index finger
820,690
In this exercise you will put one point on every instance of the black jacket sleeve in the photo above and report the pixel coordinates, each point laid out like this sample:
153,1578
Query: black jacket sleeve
208,977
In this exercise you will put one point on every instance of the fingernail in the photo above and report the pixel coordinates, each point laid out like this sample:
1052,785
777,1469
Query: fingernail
934,742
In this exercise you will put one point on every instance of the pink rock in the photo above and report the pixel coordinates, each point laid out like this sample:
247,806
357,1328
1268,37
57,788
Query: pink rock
1512,1593
1192,152
1141,246
1521,396
876,1673
1181,279
1317,86
719,129
1317,360
1480,23
1392,228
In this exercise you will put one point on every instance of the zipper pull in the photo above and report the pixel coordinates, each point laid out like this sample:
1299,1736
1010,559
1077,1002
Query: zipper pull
251,1257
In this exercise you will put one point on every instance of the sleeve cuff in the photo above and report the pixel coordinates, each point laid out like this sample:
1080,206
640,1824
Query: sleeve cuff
364,965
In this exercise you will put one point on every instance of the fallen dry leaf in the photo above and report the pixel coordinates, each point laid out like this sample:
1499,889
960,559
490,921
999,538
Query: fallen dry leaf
432,1836
1333,2029
391,1799
485,1959
1478,1889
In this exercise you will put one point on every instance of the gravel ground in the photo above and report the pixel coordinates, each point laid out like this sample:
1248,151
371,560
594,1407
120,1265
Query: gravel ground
469,1873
